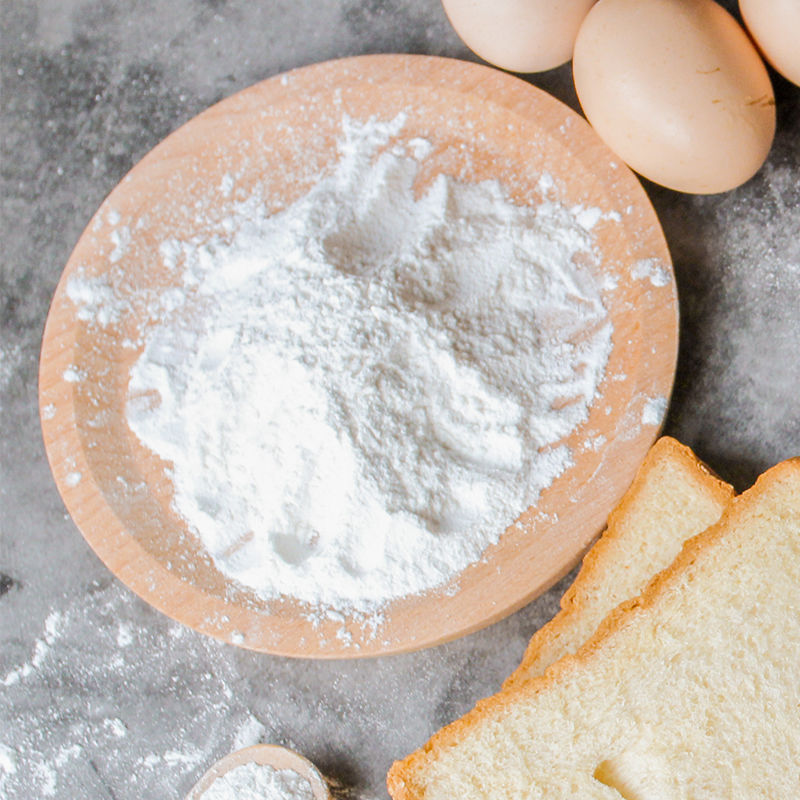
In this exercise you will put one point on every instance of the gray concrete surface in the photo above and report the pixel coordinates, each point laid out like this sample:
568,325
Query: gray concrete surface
102,697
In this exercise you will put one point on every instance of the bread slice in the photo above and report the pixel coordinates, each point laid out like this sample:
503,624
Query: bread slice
672,498
691,690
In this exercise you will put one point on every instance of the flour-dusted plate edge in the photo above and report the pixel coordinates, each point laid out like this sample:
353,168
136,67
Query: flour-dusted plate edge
278,135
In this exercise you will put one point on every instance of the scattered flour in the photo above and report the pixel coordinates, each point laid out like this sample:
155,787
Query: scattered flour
654,410
594,442
587,217
8,760
251,732
124,635
259,782
10,359
77,725
121,239
48,779
652,269
359,393
116,727
95,299
73,478
40,650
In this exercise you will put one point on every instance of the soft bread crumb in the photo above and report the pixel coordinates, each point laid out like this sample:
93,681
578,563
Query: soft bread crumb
672,498
696,681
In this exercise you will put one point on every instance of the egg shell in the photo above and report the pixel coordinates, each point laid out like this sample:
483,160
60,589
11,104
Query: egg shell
775,25
677,89
519,35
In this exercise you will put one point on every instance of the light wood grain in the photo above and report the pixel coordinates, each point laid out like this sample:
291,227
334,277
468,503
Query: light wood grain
270,754
276,137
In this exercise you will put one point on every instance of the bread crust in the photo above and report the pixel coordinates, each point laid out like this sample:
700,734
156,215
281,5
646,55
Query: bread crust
574,601
402,781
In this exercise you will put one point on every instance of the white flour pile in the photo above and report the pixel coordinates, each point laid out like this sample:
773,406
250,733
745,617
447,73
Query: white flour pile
259,782
359,393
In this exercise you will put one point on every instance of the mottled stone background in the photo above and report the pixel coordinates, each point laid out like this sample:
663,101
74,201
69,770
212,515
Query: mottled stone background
102,697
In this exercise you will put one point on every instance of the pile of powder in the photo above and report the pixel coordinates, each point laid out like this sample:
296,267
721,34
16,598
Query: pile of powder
253,781
359,393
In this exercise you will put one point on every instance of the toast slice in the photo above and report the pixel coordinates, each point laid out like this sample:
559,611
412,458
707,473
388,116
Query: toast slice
672,498
690,690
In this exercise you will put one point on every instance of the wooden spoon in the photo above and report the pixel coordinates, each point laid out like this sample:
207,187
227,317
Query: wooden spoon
270,754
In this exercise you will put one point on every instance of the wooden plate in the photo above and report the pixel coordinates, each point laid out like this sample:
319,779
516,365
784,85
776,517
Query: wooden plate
270,754
277,136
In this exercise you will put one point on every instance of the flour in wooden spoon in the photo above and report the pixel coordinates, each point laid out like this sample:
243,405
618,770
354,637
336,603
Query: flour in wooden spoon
362,391
252,781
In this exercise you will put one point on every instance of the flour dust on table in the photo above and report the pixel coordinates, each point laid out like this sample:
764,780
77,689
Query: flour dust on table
101,744
359,393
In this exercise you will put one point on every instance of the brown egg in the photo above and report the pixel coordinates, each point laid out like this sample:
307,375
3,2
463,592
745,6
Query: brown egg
677,89
775,25
519,35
